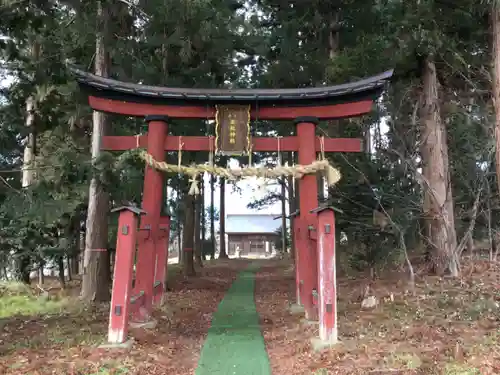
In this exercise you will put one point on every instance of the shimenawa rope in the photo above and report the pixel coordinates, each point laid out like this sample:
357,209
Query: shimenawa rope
297,171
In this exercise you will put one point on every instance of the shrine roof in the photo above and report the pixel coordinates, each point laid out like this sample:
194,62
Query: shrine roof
111,88
252,224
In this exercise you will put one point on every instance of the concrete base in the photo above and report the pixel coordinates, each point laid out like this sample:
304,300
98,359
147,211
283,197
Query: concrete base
309,322
318,345
125,345
297,309
151,324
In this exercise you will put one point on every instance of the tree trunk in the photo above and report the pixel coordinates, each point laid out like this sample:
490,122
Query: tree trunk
437,184
212,216
60,271
23,264
283,216
188,236
96,269
197,231
28,175
222,220
75,256
334,35
68,263
180,219
283,210
495,23
291,207
470,245
41,276
179,241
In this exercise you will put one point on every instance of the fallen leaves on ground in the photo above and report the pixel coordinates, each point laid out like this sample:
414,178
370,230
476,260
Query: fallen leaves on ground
68,343
448,327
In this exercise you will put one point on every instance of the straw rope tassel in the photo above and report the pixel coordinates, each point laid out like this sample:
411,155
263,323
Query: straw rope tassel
332,174
193,174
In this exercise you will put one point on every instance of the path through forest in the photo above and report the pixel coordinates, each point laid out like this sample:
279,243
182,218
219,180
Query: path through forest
234,344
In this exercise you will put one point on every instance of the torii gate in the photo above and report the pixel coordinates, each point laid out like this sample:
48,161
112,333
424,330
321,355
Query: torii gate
315,227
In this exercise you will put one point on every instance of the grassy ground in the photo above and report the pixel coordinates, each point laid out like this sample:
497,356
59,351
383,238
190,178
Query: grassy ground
449,327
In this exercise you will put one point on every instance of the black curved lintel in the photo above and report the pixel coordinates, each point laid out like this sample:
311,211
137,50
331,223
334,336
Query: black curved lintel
107,87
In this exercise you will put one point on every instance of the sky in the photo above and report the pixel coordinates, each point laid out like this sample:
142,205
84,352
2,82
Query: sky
236,202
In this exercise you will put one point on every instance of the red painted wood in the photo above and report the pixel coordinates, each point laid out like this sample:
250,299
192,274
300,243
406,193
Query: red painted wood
327,277
264,113
151,203
194,143
313,235
161,259
297,233
122,280
308,200
136,302
158,291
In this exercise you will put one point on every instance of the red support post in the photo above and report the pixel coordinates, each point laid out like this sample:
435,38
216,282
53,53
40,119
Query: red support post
297,234
308,187
327,276
151,202
122,281
161,260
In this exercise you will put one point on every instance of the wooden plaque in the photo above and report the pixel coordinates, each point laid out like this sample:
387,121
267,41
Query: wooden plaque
232,129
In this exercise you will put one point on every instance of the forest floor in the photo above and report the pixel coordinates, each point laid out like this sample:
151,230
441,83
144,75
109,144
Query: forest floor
444,327
447,327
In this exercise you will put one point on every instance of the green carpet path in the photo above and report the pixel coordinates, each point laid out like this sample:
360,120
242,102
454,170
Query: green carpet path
234,345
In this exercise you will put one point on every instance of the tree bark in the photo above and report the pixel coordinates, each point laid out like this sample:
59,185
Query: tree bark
60,271
222,220
75,255
437,184
28,175
495,23
197,232
180,219
283,211
23,269
188,236
334,35
96,268
283,216
41,276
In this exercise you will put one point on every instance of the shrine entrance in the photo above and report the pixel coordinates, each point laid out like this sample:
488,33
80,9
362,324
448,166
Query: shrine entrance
233,110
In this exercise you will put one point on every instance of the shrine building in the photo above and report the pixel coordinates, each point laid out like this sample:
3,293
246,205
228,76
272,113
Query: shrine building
251,233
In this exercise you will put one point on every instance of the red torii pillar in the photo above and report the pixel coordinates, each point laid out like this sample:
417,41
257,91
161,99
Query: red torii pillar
327,276
151,203
308,200
161,260
126,241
